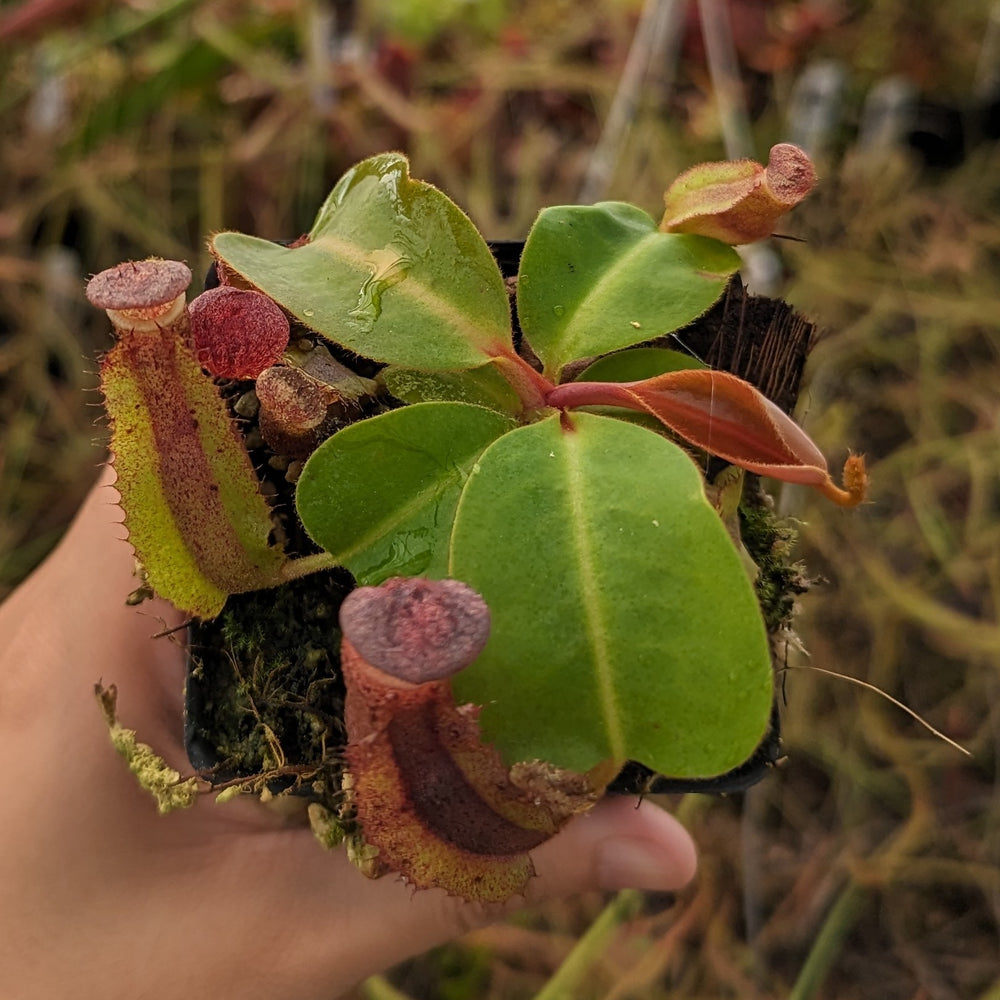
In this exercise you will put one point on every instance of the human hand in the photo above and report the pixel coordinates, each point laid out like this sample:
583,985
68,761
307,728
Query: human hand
102,897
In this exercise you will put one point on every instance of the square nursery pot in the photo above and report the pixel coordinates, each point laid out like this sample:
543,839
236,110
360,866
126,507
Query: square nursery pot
625,602
237,714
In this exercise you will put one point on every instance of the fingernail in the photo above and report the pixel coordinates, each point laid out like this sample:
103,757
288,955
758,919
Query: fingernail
637,864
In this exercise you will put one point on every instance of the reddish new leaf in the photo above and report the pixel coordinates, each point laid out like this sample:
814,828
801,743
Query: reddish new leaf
441,808
237,332
738,201
728,417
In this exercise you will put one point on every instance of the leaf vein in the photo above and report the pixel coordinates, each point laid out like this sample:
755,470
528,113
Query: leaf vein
595,612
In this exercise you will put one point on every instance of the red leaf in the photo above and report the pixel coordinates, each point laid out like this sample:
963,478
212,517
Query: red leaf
728,417
738,201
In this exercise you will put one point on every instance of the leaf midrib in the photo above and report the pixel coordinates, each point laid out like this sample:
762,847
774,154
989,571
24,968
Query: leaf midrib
563,349
596,613
420,293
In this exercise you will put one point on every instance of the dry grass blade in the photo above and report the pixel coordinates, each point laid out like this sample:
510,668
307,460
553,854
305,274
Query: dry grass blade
888,697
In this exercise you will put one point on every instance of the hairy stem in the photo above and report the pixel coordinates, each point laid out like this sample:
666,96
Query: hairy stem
531,387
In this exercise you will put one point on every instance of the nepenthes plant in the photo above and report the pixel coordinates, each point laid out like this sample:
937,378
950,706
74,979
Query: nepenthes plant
454,565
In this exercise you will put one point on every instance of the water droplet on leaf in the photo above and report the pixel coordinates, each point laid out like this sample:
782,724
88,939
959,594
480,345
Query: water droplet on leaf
387,267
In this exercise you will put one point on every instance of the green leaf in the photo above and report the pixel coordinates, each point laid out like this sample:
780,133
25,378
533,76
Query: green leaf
637,364
380,495
393,270
599,278
483,386
624,626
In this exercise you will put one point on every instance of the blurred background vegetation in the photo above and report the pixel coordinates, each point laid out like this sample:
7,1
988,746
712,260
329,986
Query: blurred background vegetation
868,864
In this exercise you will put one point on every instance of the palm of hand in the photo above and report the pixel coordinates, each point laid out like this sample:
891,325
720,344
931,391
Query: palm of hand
104,897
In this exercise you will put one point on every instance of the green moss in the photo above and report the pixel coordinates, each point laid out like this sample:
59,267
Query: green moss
326,826
770,541
153,773
265,697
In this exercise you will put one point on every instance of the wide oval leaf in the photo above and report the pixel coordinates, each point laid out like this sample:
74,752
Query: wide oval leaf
380,495
392,269
599,278
624,625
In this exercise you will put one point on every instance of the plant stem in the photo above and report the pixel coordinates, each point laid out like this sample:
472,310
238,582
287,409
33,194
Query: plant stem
566,980
571,394
531,387
826,948
295,569
724,71
656,44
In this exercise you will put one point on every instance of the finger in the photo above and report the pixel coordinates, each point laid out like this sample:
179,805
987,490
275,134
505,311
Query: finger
67,627
90,573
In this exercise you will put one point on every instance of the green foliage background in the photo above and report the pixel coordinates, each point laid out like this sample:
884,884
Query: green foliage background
868,866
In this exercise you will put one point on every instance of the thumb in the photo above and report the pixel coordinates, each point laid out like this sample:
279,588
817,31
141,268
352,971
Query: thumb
617,845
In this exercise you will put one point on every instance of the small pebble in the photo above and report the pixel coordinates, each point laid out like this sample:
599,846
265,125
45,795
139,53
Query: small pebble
247,405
